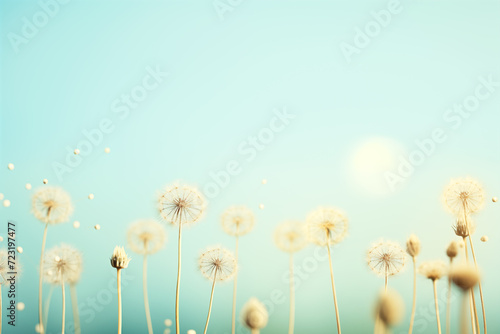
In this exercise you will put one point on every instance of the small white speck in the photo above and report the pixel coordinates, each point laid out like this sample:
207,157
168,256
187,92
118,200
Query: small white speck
20,249
38,328
1,238
10,166
91,196
261,206
166,331
20,306
495,199
28,186
107,150
264,181
97,227
191,331
45,181
76,224
168,322
76,151
6,203
57,258
484,238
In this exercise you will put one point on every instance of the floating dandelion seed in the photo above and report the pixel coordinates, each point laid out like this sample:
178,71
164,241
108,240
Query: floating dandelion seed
494,199
10,166
264,181
28,186
462,195
76,224
191,331
1,196
168,322
413,246
119,260
146,237
6,203
20,249
261,206
97,227
76,151
180,204
107,150
254,315
237,221
389,310
166,331
1,238
45,181
386,258
91,196
291,237
484,238
20,306
216,264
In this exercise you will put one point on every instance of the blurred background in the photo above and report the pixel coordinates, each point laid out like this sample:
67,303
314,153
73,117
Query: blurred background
368,106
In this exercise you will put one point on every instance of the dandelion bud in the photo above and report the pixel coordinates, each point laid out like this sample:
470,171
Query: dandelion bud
254,314
452,249
464,276
119,259
390,308
413,245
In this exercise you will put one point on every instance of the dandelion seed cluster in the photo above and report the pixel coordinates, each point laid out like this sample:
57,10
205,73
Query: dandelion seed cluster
386,258
327,226
237,220
146,237
181,204
218,263
51,205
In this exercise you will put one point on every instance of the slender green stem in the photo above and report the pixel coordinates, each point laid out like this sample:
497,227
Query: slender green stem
233,318
74,305
40,319
292,298
119,290
414,294
333,283
210,305
437,306
145,293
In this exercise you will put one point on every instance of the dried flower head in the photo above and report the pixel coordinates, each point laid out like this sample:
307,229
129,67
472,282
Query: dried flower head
254,314
291,236
6,267
433,270
413,245
119,259
146,237
51,205
237,220
452,250
463,195
181,204
460,227
464,276
62,264
218,263
390,308
327,226
386,258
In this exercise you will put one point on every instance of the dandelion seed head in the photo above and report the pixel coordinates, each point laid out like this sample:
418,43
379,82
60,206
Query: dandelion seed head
460,227
464,276
62,264
146,237
218,262
386,258
51,205
291,236
413,245
181,204
463,195
390,308
433,270
237,220
327,226
119,259
254,314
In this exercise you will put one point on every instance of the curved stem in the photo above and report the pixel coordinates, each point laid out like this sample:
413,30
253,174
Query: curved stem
437,307
414,294
292,298
63,306
119,290
177,289
210,305
40,319
74,306
333,283
145,293
448,301
233,319
471,292
46,307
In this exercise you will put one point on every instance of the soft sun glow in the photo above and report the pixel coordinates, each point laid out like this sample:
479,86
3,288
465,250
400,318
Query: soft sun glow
369,162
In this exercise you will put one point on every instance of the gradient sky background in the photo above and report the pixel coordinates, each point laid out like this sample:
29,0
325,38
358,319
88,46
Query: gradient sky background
352,122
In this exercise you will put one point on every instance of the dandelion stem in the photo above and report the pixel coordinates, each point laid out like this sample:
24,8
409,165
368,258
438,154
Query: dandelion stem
233,320
210,305
47,307
145,293
463,323
448,300
471,292
386,276
119,290
74,306
177,325
0,308
333,283
40,320
63,306
292,298
437,307
414,294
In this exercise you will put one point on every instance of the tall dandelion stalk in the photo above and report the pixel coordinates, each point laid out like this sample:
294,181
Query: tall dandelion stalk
434,270
290,237
51,206
119,260
464,197
63,264
254,315
180,204
413,249
237,221
389,311
465,277
216,264
326,227
146,237
451,252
